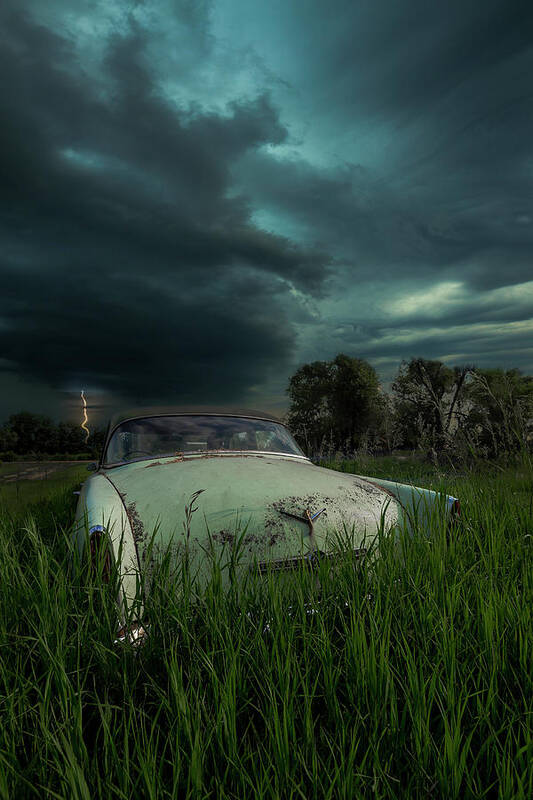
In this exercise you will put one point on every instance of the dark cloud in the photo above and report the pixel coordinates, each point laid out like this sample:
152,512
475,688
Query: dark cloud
120,239
162,246
139,343
476,346
429,110
416,54
367,223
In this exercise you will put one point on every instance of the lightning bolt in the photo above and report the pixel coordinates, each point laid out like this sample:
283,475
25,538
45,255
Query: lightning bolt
85,417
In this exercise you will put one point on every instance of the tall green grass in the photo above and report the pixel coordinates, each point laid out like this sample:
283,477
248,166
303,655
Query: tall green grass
409,676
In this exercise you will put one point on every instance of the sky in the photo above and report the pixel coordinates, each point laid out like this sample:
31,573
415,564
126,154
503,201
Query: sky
200,196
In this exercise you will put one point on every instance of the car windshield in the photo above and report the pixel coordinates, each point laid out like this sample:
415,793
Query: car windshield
174,435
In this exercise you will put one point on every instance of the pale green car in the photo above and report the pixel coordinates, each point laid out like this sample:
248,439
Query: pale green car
252,488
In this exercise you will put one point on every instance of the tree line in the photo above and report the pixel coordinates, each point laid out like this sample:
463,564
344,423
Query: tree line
26,434
339,406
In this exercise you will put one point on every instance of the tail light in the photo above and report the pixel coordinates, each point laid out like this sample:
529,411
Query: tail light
99,551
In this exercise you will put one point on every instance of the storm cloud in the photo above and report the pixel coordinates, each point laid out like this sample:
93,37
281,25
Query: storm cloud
197,197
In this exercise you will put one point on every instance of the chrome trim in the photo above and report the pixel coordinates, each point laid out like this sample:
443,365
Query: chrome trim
96,529
212,453
310,560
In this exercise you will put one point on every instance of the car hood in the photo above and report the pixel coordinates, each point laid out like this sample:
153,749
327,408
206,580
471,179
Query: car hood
246,495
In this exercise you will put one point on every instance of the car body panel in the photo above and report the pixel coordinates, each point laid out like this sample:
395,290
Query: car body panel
100,505
274,508
417,504
247,493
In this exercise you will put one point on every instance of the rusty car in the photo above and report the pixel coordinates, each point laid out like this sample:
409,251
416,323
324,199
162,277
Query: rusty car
247,479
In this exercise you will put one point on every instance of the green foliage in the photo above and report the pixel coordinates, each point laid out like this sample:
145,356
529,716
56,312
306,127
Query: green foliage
501,412
334,402
34,434
8,439
464,411
430,398
413,678
31,432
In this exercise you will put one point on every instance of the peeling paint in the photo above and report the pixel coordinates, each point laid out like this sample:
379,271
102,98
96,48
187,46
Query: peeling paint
139,534
224,537
251,493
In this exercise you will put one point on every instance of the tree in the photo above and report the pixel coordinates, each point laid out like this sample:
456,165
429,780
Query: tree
96,442
430,401
33,432
26,433
8,438
309,414
391,434
355,399
70,438
501,410
334,402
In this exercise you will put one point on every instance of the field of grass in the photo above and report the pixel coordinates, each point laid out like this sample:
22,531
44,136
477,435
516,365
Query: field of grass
407,677
18,493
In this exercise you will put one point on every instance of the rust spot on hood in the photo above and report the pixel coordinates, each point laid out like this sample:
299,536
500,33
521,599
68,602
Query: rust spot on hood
253,540
298,504
275,529
224,537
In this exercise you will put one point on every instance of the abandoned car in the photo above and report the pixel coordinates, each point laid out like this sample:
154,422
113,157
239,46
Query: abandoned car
249,482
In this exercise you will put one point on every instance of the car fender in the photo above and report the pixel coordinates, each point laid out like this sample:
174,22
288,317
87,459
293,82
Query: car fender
101,506
417,504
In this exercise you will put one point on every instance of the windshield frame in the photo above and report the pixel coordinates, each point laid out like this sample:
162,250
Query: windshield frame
197,453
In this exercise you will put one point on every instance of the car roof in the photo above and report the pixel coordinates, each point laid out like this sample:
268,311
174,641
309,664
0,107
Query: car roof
163,411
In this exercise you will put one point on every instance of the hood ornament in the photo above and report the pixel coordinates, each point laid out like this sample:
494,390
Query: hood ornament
308,518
